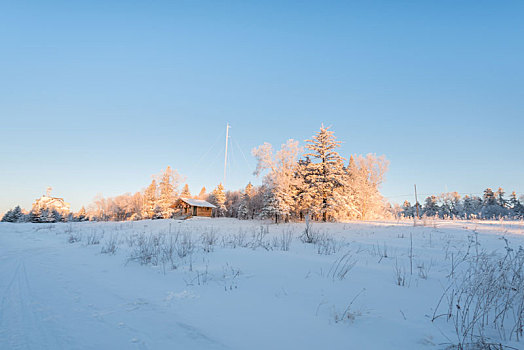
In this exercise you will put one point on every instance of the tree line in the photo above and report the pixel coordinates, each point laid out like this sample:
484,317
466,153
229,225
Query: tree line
314,181
492,205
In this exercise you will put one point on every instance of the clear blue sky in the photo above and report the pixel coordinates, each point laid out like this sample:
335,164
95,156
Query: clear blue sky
96,96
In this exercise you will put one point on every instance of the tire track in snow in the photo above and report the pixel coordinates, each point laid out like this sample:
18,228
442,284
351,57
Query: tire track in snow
23,323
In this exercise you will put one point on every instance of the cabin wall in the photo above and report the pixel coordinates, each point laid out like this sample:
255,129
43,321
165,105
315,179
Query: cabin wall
203,211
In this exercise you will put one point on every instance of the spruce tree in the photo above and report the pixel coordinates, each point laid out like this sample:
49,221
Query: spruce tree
81,215
35,215
490,206
271,206
220,199
167,188
202,194
407,210
150,201
8,216
431,207
18,215
517,209
244,208
185,192
325,172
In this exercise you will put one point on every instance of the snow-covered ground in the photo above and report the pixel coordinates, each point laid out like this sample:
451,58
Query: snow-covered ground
229,284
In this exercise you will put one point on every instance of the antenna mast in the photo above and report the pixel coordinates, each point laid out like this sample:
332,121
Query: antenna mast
225,157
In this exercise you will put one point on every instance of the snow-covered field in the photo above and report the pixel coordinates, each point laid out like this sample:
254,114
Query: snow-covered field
229,284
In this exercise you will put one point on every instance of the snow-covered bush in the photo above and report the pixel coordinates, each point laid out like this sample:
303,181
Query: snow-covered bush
110,246
485,300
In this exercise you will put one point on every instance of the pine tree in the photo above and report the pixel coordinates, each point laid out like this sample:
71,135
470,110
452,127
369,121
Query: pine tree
325,173
150,201
517,209
472,206
490,206
81,215
8,216
219,199
245,207
407,210
185,192
451,206
57,216
203,193
167,187
48,216
18,215
500,197
35,215
431,207
271,206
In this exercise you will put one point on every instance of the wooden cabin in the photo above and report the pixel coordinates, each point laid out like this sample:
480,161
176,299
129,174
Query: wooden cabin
194,207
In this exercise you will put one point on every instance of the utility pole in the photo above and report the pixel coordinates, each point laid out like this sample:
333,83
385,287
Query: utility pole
416,200
225,157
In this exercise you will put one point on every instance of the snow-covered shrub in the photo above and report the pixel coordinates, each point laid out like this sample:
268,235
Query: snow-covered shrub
185,246
259,238
209,239
283,240
93,238
326,245
168,251
110,246
147,249
74,237
486,299
235,240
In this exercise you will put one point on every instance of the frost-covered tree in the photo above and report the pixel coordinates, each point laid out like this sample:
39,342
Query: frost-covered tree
280,179
81,215
233,200
8,216
271,208
219,199
499,195
517,209
202,194
363,198
431,207
150,200
407,210
185,192
451,205
245,207
168,191
490,205
18,215
324,174
35,215
471,207
14,215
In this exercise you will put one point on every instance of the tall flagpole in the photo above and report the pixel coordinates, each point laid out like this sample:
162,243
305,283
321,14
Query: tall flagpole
225,156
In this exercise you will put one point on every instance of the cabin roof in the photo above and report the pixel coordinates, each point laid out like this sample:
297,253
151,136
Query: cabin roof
197,202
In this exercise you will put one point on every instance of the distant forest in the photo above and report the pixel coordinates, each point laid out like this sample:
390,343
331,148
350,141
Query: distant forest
492,205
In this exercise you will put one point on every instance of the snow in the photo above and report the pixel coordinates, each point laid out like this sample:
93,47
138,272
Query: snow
238,290
197,202
46,202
